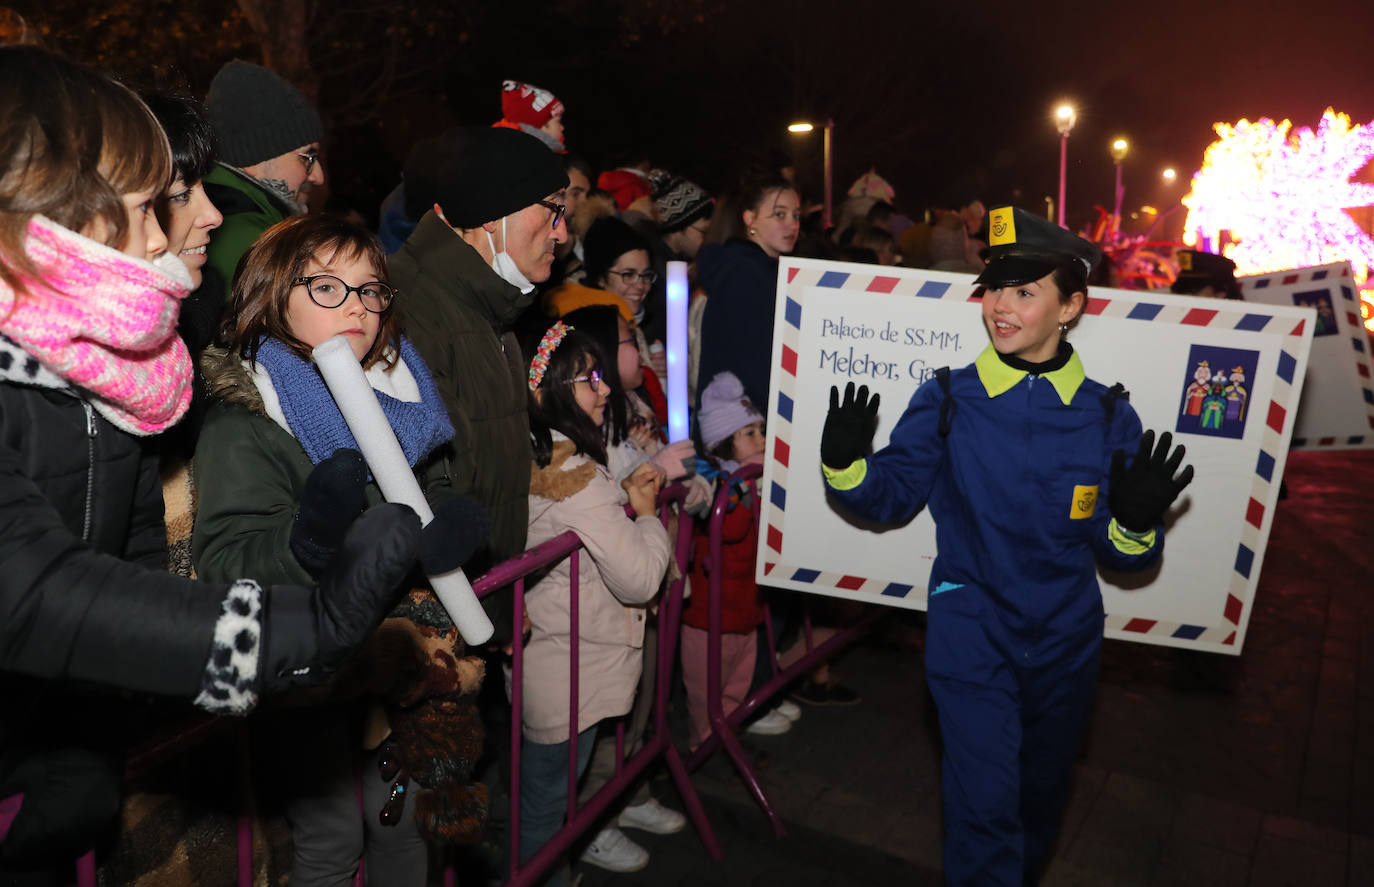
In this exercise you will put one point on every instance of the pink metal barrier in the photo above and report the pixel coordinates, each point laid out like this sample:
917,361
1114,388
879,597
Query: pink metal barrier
723,726
158,749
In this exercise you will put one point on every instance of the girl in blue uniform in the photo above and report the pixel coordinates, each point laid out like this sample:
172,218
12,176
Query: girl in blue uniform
1021,460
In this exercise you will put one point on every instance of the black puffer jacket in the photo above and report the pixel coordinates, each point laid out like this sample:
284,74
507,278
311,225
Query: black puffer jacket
81,515
80,528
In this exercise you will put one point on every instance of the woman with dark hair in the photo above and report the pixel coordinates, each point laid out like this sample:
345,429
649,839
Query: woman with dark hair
1021,459
90,369
740,277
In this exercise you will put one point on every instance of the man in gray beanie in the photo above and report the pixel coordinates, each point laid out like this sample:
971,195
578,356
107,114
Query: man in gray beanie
269,142
493,201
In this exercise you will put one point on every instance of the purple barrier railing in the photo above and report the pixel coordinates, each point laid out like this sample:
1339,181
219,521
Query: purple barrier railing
723,726
158,749
581,818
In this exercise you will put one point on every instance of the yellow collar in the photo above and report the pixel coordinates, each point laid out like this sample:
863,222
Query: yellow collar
998,378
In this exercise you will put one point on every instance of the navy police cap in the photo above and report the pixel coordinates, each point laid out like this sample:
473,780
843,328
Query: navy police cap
1023,247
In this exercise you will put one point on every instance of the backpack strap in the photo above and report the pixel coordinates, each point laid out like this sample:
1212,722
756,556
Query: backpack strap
947,406
1115,393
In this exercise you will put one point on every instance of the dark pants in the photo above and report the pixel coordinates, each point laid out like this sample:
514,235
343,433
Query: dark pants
1013,713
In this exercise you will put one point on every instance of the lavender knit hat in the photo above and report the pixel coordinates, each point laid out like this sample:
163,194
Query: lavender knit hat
724,409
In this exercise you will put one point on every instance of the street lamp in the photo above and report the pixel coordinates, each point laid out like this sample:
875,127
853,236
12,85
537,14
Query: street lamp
1119,149
829,160
1064,117
1169,174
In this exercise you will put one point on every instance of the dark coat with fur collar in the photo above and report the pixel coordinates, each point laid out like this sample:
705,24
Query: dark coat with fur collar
250,473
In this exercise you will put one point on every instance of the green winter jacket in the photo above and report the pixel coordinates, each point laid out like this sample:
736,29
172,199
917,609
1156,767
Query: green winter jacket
249,209
458,314
250,473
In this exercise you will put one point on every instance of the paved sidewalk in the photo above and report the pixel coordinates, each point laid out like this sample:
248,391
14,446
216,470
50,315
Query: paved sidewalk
1200,769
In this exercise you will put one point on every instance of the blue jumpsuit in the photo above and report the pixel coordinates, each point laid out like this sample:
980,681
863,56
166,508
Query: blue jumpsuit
1018,492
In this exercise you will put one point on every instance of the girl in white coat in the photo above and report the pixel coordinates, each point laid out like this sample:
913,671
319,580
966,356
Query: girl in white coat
618,574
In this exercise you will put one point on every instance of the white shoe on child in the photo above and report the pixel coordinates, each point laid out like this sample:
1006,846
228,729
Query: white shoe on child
651,816
788,709
771,724
614,852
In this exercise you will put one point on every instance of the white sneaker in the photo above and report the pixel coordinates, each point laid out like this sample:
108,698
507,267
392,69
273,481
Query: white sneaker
771,724
788,709
651,816
614,852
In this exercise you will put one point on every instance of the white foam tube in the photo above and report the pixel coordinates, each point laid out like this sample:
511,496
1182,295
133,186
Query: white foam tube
358,402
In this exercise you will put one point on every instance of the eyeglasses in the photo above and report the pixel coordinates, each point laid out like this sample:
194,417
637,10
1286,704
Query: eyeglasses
593,379
557,209
629,276
308,159
328,291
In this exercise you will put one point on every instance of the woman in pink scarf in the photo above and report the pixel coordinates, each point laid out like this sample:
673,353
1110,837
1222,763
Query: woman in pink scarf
90,367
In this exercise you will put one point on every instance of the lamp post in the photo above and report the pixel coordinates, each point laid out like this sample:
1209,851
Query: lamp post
1119,149
828,161
1064,118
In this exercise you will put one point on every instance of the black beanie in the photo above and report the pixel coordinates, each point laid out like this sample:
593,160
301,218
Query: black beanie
478,174
607,240
257,115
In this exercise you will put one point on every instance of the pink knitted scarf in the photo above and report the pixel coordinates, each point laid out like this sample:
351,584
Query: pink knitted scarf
105,322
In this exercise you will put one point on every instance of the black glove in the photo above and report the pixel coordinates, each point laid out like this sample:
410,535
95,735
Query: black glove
460,527
334,496
309,632
1142,493
849,427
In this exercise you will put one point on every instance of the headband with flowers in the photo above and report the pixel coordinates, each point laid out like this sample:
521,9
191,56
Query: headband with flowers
539,364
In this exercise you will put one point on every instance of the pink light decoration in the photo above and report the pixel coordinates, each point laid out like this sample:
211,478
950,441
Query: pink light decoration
1282,196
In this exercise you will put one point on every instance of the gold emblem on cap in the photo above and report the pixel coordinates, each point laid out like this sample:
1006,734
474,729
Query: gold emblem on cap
1002,227
1185,261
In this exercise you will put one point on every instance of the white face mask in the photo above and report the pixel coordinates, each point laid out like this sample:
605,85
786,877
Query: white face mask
504,265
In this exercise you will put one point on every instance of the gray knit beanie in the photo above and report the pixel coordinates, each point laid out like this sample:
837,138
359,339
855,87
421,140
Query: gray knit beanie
257,115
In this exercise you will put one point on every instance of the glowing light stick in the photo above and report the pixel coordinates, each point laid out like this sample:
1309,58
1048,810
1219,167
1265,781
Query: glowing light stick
678,428
358,403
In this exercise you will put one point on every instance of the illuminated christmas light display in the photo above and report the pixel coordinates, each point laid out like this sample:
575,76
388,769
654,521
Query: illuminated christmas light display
1282,197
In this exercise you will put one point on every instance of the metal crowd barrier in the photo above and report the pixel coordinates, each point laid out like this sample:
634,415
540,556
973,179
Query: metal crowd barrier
160,748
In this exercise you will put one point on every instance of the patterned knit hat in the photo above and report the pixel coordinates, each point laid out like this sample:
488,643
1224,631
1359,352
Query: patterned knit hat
724,410
680,204
527,103
257,115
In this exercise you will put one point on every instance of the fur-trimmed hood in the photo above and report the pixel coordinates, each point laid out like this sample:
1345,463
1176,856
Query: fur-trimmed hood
557,482
228,380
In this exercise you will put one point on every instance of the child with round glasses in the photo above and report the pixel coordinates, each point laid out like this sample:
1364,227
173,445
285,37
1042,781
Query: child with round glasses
279,473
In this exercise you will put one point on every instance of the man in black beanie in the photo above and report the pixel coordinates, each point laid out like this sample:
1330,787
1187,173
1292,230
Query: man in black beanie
492,202
269,142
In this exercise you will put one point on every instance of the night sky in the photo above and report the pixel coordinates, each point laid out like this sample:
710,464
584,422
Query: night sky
947,100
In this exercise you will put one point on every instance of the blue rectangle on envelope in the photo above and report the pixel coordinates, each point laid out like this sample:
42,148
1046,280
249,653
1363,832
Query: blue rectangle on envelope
833,279
1261,283
792,313
1188,632
895,589
1253,323
1145,311
932,289
1359,346
1265,468
805,575
778,497
1319,275
1245,559
784,406
1288,365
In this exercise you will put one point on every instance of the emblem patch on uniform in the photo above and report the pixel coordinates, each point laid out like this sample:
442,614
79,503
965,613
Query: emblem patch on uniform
1216,391
1001,227
1084,502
